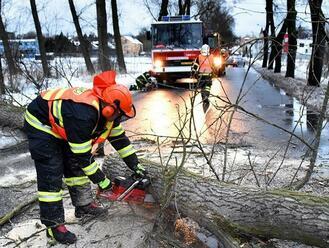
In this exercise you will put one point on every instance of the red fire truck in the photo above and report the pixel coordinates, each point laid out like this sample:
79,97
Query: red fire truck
176,42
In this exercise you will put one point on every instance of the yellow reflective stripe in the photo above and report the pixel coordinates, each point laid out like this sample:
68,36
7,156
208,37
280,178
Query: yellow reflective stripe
105,183
106,133
80,148
90,169
49,93
59,93
116,131
50,196
95,104
34,122
76,181
57,111
127,151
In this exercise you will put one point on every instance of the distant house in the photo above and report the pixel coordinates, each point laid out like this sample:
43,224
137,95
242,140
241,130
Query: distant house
22,47
94,47
304,47
131,46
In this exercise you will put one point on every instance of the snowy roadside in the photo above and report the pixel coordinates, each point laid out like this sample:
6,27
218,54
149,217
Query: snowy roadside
310,96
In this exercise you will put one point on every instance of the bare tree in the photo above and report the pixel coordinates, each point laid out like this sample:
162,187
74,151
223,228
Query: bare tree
292,38
82,40
7,50
163,9
103,49
2,82
184,8
269,23
117,37
41,39
319,39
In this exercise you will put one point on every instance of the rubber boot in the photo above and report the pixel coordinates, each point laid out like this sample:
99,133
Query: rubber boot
61,235
93,209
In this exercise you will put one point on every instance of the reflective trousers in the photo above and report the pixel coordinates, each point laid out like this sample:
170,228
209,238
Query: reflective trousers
53,159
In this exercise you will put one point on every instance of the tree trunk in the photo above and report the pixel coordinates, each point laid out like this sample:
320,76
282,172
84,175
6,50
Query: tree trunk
184,8
163,9
316,63
103,49
11,116
7,50
278,46
82,40
117,37
238,210
41,40
2,81
272,37
292,34
269,19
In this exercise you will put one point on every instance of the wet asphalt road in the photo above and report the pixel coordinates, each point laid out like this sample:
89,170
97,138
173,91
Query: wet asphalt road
157,113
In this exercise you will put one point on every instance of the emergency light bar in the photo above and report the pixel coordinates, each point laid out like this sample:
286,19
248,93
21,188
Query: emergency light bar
176,18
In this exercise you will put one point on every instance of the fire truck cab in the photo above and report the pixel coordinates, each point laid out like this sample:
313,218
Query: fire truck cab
176,42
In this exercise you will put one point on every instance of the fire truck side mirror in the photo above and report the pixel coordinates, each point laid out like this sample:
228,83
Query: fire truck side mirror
148,35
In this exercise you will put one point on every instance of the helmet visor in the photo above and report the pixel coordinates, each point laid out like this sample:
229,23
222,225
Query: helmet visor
128,114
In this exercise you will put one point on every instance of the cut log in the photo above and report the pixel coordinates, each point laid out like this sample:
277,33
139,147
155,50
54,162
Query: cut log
11,116
239,210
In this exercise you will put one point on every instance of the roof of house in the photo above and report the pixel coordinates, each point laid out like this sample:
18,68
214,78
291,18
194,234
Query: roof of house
131,39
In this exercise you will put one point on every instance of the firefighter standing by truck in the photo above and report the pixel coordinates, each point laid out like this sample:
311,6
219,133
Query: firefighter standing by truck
62,125
202,69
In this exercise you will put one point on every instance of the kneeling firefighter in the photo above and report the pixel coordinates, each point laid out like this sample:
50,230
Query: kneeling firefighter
202,69
144,82
61,126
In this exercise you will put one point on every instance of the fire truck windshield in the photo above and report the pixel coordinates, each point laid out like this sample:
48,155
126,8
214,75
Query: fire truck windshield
177,35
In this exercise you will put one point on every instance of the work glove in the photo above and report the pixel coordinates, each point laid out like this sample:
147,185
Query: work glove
105,184
140,171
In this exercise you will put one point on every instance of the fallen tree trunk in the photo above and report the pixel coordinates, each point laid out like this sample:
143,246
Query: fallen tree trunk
242,211
11,116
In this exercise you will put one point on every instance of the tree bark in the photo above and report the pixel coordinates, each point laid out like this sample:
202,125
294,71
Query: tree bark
316,63
2,80
239,210
269,22
103,49
292,38
163,9
184,8
41,40
82,40
272,37
11,116
7,50
117,37
278,47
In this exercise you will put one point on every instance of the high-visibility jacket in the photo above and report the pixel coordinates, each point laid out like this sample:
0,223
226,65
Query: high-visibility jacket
206,63
55,97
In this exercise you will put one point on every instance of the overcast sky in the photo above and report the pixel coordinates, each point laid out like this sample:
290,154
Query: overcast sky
55,15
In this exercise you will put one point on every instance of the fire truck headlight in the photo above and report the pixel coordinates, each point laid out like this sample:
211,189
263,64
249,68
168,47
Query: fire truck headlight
158,63
217,61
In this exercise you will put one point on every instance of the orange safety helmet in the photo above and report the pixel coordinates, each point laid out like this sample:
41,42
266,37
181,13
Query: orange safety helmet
118,96
102,81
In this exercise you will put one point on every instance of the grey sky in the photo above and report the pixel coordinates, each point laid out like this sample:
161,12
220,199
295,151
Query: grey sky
55,15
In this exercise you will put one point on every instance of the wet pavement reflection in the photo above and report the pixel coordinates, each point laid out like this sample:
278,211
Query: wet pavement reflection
161,113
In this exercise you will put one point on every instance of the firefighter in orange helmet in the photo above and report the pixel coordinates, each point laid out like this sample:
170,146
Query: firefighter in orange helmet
203,68
61,126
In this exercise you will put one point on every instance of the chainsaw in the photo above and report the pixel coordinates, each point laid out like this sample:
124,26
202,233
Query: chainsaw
131,189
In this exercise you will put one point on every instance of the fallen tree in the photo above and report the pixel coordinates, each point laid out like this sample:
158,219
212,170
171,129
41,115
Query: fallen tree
241,211
11,116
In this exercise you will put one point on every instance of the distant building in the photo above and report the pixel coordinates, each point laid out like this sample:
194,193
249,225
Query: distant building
304,47
131,46
27,48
